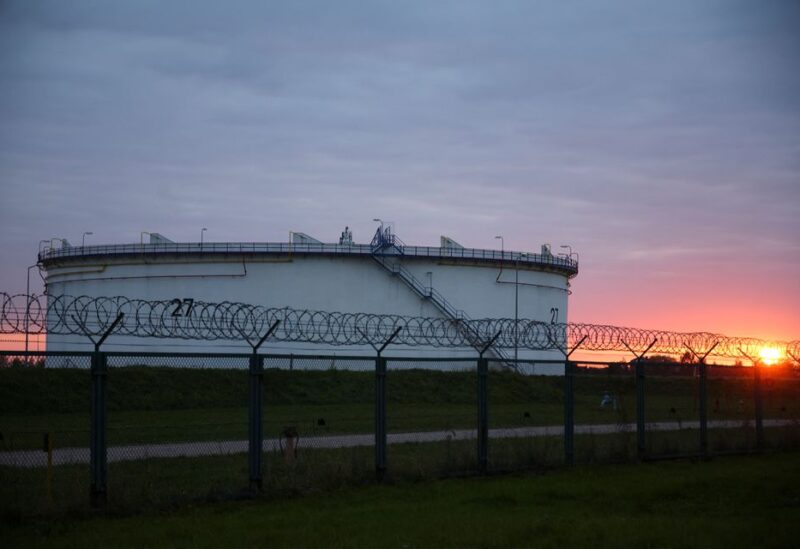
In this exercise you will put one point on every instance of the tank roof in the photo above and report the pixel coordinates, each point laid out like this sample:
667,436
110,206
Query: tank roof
560,263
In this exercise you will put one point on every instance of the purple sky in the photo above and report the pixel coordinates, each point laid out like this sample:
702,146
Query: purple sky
661,140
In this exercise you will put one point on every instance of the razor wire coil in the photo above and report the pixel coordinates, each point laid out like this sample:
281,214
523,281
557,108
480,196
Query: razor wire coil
166,319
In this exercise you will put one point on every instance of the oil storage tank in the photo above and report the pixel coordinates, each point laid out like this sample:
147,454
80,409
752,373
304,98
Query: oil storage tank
382,277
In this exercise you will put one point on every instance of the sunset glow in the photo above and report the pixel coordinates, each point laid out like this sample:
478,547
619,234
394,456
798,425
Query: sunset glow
769,355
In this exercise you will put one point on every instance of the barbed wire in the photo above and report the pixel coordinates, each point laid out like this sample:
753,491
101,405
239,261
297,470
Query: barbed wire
198,320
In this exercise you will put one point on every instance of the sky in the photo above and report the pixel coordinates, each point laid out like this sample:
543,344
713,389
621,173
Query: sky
660,140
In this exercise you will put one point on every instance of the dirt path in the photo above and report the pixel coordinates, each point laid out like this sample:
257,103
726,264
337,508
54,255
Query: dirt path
67,456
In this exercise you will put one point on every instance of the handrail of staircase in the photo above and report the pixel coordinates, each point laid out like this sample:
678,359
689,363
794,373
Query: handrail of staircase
439,299
386,239
430,292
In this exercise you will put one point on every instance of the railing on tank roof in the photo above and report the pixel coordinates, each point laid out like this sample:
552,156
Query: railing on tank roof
562,262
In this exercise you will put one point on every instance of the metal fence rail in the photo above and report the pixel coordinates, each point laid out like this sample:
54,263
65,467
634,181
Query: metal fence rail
132,429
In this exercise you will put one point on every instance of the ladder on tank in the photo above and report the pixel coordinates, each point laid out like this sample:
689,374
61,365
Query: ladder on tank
380,243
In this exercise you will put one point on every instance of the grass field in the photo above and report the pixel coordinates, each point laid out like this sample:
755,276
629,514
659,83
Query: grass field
171,483
152,404
727,502
159,405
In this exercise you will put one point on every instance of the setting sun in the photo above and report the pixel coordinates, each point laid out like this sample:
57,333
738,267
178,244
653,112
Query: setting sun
769,355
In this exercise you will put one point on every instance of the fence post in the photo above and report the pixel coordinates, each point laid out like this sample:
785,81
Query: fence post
569,397
758,398
483,405
641,448
703,394
759,404
98,447
255,426
380,403
569,413
380,417
640,424
483,415
703,408
98,457
255,407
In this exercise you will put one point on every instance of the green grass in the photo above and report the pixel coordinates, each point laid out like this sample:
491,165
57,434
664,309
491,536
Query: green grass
132,426
730,502
66,390
176,482
158,404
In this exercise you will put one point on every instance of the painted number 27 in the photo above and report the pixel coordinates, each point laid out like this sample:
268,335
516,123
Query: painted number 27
182,306
553,315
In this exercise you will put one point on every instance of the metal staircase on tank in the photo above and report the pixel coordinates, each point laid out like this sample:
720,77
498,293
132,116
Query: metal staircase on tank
387,249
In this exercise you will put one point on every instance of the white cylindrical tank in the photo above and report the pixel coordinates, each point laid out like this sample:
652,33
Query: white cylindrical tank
382,278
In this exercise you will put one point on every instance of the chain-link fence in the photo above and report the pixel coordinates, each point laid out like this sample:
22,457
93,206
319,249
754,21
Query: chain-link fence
431,418
731,409
605,412
526,416
176,428
672,401
44,433
136,431
318,422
